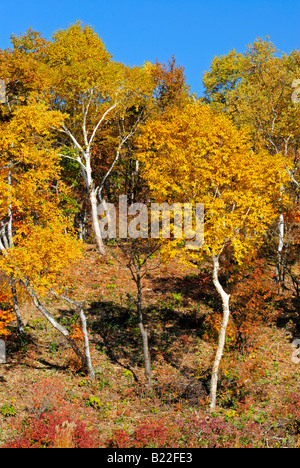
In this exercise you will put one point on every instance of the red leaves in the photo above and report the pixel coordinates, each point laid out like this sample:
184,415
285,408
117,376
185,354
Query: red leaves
158,434
254,301
54,430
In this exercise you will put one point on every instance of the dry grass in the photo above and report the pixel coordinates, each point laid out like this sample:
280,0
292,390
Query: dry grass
40,376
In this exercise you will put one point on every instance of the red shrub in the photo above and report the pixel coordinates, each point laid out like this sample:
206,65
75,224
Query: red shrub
152,434
53,430
119,439
156,434
254,301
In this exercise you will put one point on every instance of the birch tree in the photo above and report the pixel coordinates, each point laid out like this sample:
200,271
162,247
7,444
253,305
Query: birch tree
198,156
96,93
255,88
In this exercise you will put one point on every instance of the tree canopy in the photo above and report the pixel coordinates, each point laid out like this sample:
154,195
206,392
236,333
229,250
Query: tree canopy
78,130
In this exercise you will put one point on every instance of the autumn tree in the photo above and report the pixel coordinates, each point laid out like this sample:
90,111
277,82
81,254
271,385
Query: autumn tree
95,92
196,155
20,69
74,73
37,242
255,88
138,256
171,88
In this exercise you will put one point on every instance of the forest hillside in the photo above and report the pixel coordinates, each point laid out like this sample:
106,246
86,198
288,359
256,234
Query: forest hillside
149,248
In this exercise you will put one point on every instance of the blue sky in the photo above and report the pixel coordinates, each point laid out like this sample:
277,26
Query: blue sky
145,30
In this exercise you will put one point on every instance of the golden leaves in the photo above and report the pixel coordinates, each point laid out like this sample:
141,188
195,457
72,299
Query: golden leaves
6,317
43,239
197,155
41,254
255,88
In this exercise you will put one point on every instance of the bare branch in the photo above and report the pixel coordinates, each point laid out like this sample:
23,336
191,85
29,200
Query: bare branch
70,134
100,122
85,114
123,141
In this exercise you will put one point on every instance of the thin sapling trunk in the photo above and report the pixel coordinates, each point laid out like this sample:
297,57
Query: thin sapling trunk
84,357
20,323
143,331
222,335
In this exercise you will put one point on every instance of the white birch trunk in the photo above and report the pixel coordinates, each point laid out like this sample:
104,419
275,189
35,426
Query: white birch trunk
280,265
94,204
83,357
222,335
87,353
95,222
144,333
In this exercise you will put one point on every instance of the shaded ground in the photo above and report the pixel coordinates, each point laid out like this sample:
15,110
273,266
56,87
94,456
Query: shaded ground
258,386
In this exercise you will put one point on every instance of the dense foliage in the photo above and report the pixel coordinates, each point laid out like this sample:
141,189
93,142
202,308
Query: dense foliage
78,130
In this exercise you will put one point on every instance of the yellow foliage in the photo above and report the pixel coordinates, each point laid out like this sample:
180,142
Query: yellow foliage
86,82
43,241
197,155
42,255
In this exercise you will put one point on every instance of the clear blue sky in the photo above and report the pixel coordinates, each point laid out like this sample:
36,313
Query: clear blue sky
135,31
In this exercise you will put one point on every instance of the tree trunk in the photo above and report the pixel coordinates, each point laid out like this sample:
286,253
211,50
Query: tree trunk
84,359
280,259
222,335
95,222
94,203
20,324
147,360
88,364
144,334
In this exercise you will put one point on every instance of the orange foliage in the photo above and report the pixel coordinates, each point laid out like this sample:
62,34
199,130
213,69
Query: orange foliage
76,334
297,217
6,317
254,301
212,324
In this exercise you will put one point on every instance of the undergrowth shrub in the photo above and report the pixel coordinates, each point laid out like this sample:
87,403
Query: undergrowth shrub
151,434
192,433
46,394
254,302
53,431
292,409
218,433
